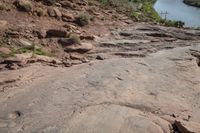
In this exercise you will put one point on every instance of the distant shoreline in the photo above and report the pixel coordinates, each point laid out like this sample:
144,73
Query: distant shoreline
195,3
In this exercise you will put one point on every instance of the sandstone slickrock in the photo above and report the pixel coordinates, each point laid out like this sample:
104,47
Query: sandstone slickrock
95,100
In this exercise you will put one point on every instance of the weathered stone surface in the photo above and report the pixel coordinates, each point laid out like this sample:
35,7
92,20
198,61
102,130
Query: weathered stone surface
188,127
124,95
147,83
3,23
57,12
82,48
68,16
24,42
5,50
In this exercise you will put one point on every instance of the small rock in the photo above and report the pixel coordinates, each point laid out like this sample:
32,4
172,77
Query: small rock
56,33
51,12
40,12
5,50
81,48
2,7
187,127
100,57
76,57
24,5
25,42
69,26
12,66
76,62
3,23
87,37
57,13
67,16
41,58
66,41
66,4
14,115
40,33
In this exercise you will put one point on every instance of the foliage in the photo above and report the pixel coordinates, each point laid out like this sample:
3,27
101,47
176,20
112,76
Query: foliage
120,5
172,23
76,39
83,19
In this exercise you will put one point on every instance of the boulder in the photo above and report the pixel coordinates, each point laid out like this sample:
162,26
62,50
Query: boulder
24,5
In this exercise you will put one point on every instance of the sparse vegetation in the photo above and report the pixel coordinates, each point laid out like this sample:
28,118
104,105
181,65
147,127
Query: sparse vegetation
75,38
83,19
172,23
31,49
4,55
28,49
144,11
24,5
120,5
2,6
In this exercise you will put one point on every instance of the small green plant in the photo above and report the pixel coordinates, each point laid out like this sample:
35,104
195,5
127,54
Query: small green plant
2,7
3,55
83,19
136,15
32,49
122,6
75,39
149,11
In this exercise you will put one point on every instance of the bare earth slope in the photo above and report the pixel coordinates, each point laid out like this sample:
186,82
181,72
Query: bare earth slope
145,85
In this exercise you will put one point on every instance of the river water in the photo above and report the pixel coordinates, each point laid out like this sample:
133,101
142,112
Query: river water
177,10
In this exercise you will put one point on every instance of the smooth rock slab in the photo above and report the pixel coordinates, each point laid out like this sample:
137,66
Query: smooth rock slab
114,119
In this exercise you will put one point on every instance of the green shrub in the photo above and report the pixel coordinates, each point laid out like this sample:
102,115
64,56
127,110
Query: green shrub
172,23
76,39
82,19
2,6
120,5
